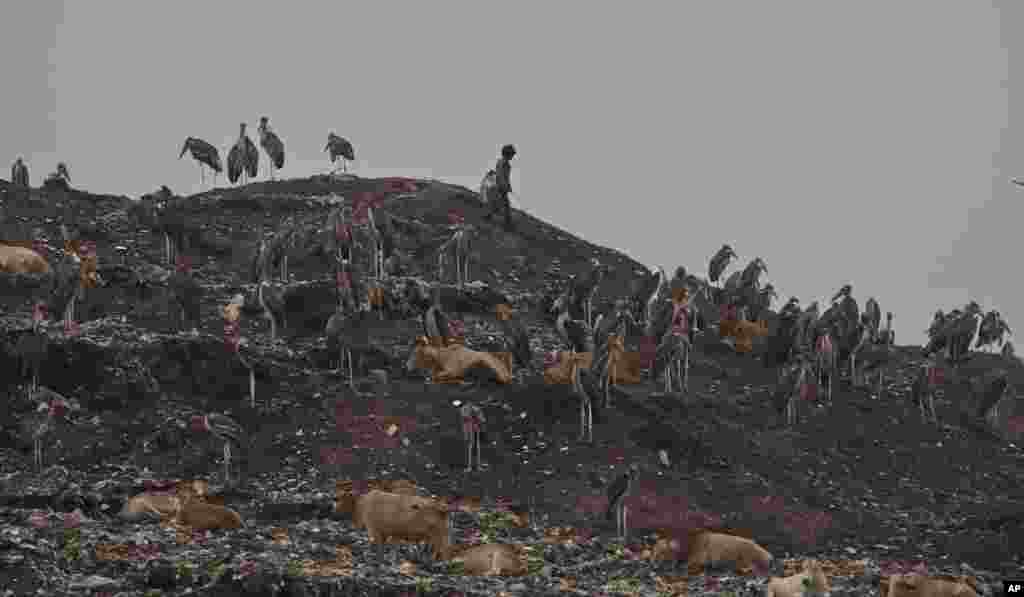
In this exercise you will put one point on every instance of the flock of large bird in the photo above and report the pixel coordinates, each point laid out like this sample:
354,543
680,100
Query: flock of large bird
243,157
810,349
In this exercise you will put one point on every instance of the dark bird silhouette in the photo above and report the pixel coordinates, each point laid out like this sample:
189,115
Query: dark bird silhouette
642,290
516,338
989,391
874,318
584,288
617,493
574,332
186,295
274,301
43,425
720,261
19,173
33,347
243,159
203,153
340,147
348,334
271,144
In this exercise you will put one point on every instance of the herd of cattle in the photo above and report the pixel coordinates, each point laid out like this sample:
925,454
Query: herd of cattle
666,316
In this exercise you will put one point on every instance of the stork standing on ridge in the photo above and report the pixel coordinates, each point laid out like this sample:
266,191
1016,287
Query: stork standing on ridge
887,335
224,429
720,261
340,147
271,144
617,492
49,414
516,339
33,347
203,153
186,294
345,331
573,331
874,318
243,159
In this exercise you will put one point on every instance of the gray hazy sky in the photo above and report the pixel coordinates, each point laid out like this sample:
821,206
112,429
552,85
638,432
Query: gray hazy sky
867,142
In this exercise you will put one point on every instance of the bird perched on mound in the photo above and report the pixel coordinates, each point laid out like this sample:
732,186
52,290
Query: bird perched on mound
339,147
243,159
186,294
226,430
32,348
618,491
516,339
275,301
719,261
203,153
271,144
348,332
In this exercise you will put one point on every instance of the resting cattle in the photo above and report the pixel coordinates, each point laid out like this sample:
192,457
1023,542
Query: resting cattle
449,364
19,260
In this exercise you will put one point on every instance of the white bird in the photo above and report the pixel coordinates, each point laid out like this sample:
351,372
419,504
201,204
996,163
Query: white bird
271,144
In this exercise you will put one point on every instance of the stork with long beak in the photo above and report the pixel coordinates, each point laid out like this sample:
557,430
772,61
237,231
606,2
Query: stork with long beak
844,292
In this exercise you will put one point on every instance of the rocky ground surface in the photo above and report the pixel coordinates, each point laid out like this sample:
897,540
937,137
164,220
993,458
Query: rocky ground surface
862,483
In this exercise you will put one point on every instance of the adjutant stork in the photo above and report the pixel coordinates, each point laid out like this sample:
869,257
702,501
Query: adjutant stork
243,159
720,261
435,321
575,332
203,153
226,430
516,339
271,144
48,416
339,147
33,347
186,294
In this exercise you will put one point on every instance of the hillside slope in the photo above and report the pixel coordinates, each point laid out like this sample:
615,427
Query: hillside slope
860,479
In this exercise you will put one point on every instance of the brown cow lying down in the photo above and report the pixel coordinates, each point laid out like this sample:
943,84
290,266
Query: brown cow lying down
623,366
490,559
746,331
707,547
560,371
812,581
189,510
19,260
450,363
916,585
413,518
701,547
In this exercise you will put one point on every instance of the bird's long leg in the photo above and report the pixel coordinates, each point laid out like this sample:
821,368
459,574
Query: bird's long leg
351,370
252,387
227,463
686,369
202,175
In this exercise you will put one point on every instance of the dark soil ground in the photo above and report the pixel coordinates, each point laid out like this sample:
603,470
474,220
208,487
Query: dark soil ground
862,479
